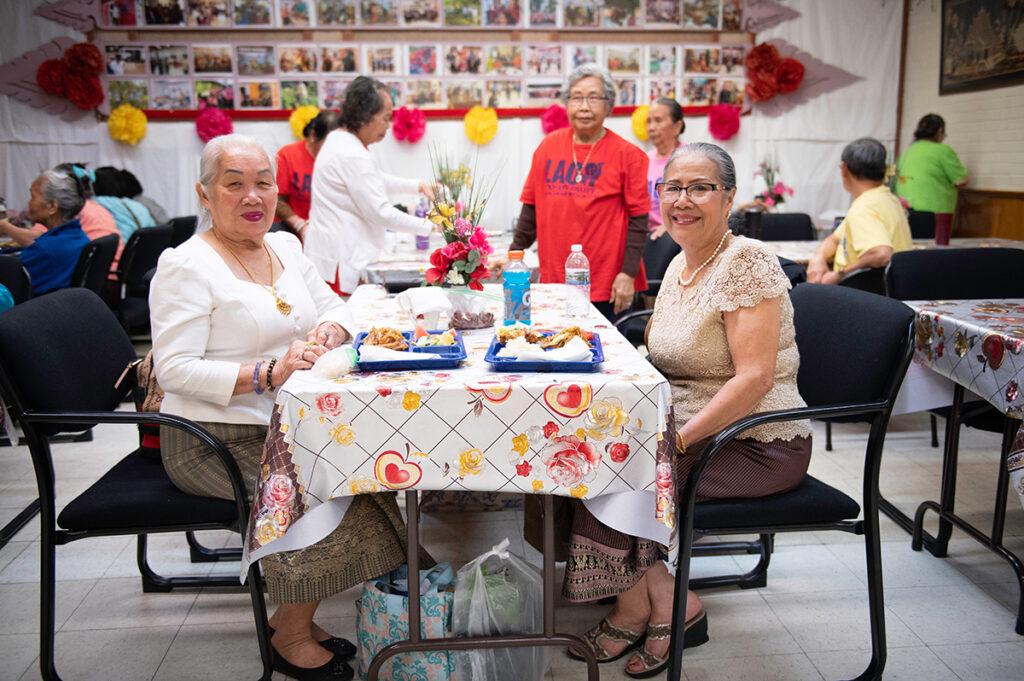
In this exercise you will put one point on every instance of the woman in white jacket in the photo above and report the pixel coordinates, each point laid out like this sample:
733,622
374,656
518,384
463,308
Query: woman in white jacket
350,210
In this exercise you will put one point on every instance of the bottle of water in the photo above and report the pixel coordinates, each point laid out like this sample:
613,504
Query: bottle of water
422,240
577,285
517,289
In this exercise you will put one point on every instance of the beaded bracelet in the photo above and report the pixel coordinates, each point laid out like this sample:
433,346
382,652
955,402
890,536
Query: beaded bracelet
256,378
270,372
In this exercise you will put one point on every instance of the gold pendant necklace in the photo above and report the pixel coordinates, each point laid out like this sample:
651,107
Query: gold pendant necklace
282,307
687,282
579,168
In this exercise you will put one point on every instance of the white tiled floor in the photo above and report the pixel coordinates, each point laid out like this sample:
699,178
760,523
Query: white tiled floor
946,618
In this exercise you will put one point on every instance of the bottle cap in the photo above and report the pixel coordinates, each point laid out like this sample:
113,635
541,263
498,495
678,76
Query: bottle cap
577,248
515,255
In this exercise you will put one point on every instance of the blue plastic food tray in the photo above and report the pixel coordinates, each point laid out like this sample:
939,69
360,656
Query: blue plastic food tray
450,357
510,364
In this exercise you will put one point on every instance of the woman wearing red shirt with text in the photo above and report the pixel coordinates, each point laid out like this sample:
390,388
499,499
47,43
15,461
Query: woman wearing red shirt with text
295,172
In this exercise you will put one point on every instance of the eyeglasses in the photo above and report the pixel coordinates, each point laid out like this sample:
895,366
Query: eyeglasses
591,100
699,191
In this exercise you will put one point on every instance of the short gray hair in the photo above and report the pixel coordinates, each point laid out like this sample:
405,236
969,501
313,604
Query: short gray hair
592,70
865,159
61,187
712,152
209,163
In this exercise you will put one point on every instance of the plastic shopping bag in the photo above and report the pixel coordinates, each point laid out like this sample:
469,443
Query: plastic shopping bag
498,594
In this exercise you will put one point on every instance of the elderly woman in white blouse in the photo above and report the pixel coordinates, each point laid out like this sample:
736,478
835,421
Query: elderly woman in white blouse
236,310
350,210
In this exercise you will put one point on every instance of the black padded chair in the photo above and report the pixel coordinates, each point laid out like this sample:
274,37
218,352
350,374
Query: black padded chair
183,228
851,366
787,227
94,263
795,272
870,279
69,382
658,253
922,224
15,277
140,255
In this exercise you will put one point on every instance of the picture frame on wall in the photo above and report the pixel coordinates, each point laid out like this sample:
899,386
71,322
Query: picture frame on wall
128,91
662,12
544,60
582,54
213,13
255,60
977,41
296,59
505,60
379,12
731,63
254,12
422,60
339,58
462,13
626,90
383,59
623,58
700,91
168,60
500,13
731,91
464,94
662,87
215,93
124,60
336,12
259,94
421,12
294,12
164,12
504,94
661,60
212,59
296,93
542,93
703,59
396,89
170,95
732,15
700,14
462,60
425,94
334,93
120,13
543,13
620,13
582,13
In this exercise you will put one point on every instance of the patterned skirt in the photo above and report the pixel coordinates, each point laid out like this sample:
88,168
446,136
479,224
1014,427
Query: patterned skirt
605,562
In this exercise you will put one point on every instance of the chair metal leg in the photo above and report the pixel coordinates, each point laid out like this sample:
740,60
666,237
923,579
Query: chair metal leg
47,604
947,494
259,612
756,578
155,583
828,436
204,554
19,521
876,598
935,431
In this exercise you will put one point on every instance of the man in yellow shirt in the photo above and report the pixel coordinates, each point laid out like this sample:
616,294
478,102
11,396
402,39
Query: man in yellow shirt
876,225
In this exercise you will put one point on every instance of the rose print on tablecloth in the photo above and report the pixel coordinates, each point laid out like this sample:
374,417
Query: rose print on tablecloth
570,460
330,405
606,419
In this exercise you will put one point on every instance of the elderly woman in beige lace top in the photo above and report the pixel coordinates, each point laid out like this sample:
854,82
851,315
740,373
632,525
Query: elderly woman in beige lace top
722,333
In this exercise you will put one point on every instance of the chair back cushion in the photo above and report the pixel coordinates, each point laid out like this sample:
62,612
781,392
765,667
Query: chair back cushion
657,256
183,228
787,227
15,277
94,274
141,254
956,274
794,271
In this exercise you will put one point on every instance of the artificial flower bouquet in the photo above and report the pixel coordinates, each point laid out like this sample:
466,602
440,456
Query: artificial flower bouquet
775,192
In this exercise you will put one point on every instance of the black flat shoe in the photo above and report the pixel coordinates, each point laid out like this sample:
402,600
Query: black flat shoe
332,670
341,647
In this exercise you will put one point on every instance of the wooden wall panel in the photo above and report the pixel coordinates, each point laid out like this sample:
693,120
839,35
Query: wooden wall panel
988,213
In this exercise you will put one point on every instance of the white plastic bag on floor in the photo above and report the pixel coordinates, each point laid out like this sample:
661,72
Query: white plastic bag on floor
499,593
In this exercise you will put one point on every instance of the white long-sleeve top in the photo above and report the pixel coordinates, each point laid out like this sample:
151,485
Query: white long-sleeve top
350,210
206,323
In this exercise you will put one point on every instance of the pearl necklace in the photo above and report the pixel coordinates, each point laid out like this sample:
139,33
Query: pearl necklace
579,168
687,282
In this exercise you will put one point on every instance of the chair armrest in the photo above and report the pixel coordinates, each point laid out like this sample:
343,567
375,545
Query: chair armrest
632,315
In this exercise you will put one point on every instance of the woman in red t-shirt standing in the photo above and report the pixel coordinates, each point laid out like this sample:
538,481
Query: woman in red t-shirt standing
588,186
295,172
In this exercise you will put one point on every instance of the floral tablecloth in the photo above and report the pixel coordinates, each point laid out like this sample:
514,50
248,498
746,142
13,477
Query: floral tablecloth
978,344
469,428
801,251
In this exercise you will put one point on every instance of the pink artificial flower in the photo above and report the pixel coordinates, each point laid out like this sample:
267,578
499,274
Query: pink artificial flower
456,250
789,190
408,124
463,227
769,201
478,240
779,188
724,122
554,118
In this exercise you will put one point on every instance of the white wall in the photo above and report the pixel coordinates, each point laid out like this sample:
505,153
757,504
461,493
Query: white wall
984,127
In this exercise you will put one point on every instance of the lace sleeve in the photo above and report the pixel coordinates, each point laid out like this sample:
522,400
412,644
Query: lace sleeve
751,274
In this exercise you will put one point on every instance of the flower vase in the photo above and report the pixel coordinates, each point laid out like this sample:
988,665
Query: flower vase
469,308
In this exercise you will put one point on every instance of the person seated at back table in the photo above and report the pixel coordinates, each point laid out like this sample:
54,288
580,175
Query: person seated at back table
874,228
129,215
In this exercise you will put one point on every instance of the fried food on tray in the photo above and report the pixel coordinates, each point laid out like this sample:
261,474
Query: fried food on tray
386,337
507,333
564,336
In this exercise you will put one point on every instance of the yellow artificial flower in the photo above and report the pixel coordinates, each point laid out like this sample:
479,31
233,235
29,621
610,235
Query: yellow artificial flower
640,122
520,443
302,115
411,401
470,462
127,124
579,491
481,124
537,485
343,434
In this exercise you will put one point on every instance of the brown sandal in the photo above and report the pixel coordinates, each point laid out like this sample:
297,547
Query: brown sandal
696,634
607,630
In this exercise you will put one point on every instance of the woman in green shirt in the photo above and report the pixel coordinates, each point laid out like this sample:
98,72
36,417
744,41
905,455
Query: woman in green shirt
929,172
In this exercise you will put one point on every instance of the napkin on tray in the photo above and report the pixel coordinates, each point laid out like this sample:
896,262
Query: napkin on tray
576,350
375,353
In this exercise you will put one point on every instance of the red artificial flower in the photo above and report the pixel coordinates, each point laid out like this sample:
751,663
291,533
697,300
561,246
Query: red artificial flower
789,75
762,59
455,251
408,124
554,118
481,272
618,452
761,87
724,121
550,428
440,263
84,59
85,92
51,76
212,122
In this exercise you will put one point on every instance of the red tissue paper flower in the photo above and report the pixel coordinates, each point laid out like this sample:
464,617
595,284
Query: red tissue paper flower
724,121
789,75
85,92
761,87
212,122
408,124
84,58
762,59
51,76
554,118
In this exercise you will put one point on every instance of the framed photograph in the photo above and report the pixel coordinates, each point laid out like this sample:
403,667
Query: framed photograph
977,56
296,59
339,58
168,60
294,12
134,92
462,12
504,94
254,12
336,12
296,93
500,13
334,93
463,94
396,89
255,60
700,91
426,94
461,60
542,93
422,60
382,59
662,87
701,60
380,12
661,60
731,63
623,58
731,91
209,13
543,13
119,13
170,94
212,58
544,60
215,93
259,94
582,13
626,91
620,13
421,12
665,12
506,60
732,15
700,14
125,60
164,12
582,54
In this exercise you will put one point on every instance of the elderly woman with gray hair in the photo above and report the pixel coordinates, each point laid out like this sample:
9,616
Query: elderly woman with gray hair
50,258
588,186
236,310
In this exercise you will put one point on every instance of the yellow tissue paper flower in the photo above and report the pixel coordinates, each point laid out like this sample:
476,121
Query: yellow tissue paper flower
304,114
481,124
127,124
640,122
